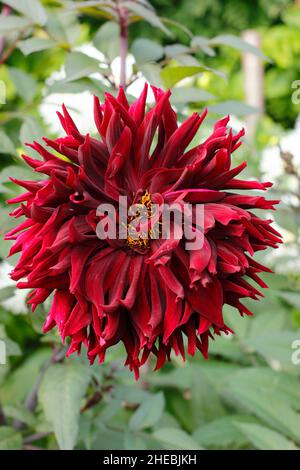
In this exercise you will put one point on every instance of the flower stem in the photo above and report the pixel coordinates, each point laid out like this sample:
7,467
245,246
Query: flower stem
123,20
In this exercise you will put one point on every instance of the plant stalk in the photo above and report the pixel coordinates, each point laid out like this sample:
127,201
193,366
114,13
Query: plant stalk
123,21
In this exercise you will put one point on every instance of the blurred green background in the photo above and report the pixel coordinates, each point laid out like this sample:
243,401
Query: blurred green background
232,56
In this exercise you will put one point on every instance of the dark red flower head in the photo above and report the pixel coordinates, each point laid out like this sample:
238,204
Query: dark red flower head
149,294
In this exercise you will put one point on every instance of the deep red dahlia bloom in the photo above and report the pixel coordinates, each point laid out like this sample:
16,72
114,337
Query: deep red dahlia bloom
149,297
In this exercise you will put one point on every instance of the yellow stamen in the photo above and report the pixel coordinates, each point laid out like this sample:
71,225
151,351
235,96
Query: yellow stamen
142,242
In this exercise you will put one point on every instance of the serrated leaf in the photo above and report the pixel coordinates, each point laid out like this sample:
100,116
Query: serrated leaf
10,439
222,433
60,395
264,438
148,413
171,438
259,393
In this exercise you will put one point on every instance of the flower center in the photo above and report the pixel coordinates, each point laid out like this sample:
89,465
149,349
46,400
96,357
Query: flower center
139,228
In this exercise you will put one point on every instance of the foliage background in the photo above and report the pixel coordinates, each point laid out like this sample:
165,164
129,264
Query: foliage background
247,395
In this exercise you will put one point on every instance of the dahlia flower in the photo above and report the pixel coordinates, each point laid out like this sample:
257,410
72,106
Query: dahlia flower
152,295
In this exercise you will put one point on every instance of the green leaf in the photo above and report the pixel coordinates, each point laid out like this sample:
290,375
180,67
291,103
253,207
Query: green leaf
292,298
229,348
31,45
265,439
274,346
205,402
82,85
12,348
30,131
182,95
12,23
106,439
19,413
60,396
7,293
182,409
151,72
284,385
237,108
17,171
258,391
148,413
6,145
167,420
19,383
90,3
171,438
171,75
269,321
63,26
147,14
10,439
106,40
133,442
237,43
182,377
145,50
203,43
222,433
174,50
79,65
86,431
25,85
33,9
